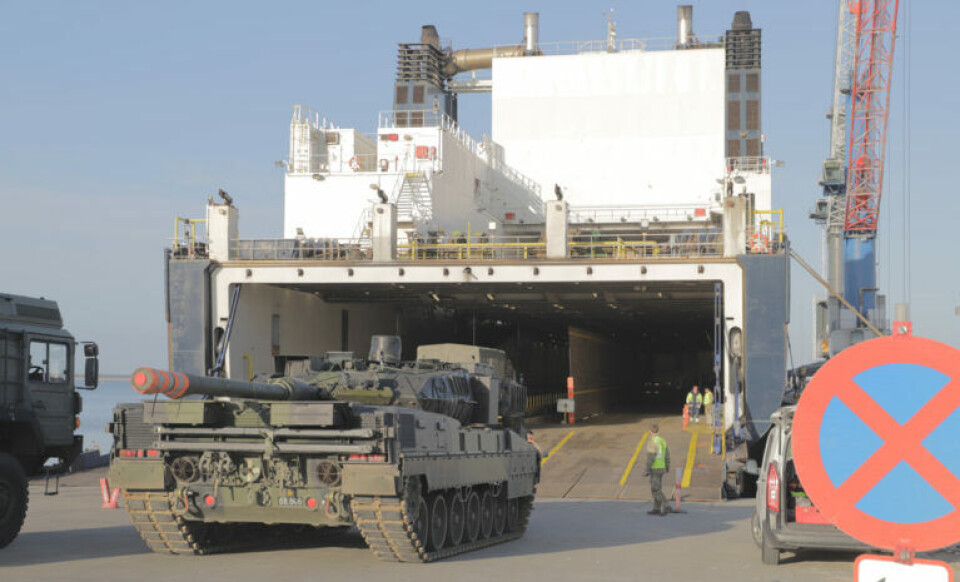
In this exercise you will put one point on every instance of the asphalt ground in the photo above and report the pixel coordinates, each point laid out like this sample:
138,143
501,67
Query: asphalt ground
69,537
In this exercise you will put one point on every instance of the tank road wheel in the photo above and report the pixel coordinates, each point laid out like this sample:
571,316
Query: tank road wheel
438,521
486,514
513,514
455,519
13,498
500,513
472,521
421,521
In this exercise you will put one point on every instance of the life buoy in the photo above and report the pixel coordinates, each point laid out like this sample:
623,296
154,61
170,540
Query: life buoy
759,243
354,163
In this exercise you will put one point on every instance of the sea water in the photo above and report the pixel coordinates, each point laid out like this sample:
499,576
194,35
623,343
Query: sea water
98,411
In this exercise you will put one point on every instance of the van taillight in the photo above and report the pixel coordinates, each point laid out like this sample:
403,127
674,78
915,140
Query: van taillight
773,488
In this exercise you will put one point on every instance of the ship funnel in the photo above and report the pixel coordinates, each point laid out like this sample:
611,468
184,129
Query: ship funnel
531,32
429,35
684,24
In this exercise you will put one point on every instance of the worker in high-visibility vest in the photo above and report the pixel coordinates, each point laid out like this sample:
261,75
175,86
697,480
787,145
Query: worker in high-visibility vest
658,463
695,401
708,406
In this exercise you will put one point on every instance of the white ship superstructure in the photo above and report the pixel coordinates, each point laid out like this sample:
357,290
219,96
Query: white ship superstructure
629,130
437,175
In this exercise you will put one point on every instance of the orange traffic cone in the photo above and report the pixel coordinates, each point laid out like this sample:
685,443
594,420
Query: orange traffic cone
686,415
110,497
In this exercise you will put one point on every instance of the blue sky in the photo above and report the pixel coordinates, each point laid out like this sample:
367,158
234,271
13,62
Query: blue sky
115,117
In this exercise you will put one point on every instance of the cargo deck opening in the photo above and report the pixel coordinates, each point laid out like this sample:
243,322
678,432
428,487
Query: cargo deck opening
635,348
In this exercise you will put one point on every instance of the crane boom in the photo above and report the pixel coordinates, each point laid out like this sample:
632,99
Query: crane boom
876,27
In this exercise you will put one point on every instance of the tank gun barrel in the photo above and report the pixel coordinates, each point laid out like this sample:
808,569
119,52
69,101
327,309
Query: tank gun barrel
176,385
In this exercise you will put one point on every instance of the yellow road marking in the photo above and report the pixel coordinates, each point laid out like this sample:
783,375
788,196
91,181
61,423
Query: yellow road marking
633,460
691,455
723,445
554,450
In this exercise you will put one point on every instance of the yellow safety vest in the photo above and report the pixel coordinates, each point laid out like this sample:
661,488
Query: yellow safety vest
660,461
690,397
708,398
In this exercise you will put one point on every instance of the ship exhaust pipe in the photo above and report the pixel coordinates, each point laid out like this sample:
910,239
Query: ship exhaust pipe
531,32
684,25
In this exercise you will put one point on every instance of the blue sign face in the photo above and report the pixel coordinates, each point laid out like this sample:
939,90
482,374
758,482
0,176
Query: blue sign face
876,442
847,442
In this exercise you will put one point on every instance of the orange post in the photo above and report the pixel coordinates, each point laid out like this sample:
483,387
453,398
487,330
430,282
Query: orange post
686,415
570,396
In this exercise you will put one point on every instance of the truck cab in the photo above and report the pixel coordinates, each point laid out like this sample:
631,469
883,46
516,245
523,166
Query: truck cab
785,518
39,404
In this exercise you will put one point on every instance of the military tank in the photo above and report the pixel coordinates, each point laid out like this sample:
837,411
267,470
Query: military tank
427,459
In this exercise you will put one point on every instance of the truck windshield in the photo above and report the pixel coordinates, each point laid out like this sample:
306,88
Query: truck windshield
48,362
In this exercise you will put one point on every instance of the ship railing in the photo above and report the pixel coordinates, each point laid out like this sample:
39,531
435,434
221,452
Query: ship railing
477,247
766,233
540,404
750,164
576,47
300,249
638,214
306,115
328,164
694,243
189,238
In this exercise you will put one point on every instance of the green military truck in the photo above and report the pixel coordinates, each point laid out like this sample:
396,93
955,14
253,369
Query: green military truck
39,404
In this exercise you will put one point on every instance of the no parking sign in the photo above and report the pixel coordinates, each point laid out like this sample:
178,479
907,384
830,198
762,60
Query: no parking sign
876,442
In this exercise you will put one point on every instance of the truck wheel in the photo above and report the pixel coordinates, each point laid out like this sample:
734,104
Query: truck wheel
768,553
13,498
756,529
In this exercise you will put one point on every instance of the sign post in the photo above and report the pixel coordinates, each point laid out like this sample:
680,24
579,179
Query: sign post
874,443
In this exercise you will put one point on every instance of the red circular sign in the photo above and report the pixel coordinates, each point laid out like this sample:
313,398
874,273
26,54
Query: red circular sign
896,442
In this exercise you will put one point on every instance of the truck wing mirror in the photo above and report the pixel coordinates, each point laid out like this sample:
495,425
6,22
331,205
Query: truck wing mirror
91,366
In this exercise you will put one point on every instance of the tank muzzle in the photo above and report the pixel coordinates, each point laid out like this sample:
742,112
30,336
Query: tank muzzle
153,381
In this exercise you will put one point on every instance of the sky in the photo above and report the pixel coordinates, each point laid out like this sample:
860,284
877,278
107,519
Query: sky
116,117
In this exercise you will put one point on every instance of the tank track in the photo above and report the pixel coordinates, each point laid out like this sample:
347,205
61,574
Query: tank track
388,530
166,532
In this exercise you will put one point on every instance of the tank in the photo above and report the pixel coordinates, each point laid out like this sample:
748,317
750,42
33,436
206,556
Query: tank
427,459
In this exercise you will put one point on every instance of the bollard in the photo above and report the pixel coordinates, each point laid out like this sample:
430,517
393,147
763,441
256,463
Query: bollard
570,396
110,498
686,415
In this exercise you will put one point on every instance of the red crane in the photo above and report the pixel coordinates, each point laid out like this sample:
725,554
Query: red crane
876,29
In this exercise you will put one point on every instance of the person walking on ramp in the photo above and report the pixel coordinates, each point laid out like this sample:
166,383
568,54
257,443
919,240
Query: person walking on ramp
694,401
658,463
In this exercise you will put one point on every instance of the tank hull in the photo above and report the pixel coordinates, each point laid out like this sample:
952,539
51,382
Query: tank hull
199,475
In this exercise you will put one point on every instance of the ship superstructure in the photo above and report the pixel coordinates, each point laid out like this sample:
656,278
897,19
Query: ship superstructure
617,227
